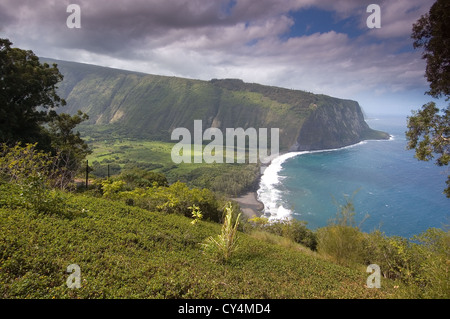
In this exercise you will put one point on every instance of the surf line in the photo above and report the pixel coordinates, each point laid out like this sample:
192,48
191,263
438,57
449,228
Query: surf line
269,195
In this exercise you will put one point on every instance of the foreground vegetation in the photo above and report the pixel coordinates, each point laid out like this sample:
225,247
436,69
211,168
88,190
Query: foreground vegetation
132,240
128,252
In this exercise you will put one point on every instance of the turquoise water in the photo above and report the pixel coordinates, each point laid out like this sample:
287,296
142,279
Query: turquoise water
401,195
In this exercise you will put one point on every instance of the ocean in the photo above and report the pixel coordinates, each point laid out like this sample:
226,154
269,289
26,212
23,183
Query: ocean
401,195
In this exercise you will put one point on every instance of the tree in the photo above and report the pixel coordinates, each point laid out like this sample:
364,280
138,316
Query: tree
28,99
432,33
69,148
429,128
27,92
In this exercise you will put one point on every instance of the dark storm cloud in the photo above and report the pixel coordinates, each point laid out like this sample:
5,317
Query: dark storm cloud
110,26
248,39
5,18
117,27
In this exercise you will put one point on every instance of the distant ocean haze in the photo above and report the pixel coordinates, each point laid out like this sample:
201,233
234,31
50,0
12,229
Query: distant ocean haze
401,195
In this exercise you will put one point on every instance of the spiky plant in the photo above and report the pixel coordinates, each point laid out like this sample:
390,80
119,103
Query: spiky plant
225,244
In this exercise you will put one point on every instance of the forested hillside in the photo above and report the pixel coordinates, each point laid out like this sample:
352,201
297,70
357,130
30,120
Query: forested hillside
151,106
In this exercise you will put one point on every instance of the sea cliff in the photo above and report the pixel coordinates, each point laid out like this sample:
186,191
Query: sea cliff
147,106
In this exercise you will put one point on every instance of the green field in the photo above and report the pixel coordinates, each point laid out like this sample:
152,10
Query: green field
123,154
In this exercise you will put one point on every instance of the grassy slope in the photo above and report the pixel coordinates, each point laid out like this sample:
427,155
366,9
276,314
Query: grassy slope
126,252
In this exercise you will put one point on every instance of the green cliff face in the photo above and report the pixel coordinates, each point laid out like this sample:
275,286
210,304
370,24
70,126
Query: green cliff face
335,123
149,106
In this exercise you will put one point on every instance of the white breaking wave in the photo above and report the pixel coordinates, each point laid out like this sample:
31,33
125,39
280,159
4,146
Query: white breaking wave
270,195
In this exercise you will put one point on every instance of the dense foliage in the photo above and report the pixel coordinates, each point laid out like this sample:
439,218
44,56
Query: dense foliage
291,229
431,32
174,199
429,128
28,99
27,92
429,134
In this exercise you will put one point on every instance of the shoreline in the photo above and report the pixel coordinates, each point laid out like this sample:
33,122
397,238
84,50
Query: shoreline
250,205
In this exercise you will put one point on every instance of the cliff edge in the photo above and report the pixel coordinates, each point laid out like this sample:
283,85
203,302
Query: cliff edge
335,124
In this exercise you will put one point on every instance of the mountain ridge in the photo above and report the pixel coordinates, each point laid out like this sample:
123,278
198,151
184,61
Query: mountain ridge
148,106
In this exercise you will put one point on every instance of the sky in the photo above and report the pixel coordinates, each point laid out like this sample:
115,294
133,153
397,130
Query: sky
324,47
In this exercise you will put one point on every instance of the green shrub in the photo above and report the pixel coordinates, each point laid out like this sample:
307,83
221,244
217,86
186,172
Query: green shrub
31,176
422,264
271,238
111,189
344,244
341,239
174,199
393,254
19,163
34,197
292,229
435,273
196,214
36,194
141,178
258,222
